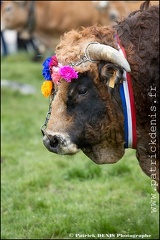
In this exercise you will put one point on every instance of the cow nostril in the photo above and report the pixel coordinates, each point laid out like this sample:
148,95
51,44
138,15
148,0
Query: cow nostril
54,142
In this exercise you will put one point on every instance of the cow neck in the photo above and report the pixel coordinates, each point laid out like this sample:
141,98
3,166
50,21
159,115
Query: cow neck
128,104
31,18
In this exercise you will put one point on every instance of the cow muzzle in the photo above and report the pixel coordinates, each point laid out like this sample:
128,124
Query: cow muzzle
59,143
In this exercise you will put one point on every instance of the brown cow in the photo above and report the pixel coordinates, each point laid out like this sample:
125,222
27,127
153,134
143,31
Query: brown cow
111,10
91,112
116,10
47,20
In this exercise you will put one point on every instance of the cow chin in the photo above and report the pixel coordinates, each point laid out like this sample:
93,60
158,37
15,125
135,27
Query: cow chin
101,155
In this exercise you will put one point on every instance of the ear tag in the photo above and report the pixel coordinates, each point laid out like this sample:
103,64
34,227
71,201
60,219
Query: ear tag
112,80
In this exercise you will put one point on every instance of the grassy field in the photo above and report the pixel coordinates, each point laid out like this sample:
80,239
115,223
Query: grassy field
46,196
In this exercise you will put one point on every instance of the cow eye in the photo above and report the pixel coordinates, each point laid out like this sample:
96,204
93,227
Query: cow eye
82,91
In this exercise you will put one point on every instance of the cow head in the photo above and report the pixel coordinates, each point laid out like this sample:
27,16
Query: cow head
14,15
113,10
86,113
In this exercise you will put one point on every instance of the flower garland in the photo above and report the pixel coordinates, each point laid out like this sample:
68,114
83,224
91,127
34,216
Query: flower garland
53,72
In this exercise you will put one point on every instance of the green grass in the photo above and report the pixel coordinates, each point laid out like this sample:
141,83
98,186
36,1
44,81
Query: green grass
46,196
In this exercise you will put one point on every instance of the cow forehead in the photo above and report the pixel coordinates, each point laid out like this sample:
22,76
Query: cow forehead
73,44
73,58
72,48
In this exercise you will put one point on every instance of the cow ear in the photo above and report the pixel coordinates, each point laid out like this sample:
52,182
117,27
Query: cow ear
111,74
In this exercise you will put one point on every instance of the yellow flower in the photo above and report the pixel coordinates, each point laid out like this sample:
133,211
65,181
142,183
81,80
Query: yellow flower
46,88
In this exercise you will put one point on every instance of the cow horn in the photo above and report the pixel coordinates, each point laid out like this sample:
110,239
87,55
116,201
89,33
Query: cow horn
97,51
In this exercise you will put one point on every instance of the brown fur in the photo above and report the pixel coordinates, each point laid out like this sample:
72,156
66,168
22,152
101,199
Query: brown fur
59,110
67,54
142,47
139,36
79,40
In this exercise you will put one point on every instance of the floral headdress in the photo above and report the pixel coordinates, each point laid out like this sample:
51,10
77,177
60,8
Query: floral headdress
53,72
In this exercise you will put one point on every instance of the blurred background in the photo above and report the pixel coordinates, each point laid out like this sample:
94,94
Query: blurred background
36,26
44,195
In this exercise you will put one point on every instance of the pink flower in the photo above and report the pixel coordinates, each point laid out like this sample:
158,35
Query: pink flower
55,77
68,73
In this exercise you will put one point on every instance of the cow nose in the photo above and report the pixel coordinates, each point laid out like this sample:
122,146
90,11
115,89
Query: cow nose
60,143
52,143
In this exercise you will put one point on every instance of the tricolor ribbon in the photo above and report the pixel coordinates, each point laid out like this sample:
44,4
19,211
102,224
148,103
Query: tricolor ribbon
128,104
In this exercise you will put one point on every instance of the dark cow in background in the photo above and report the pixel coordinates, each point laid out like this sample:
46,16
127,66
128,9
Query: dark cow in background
88,113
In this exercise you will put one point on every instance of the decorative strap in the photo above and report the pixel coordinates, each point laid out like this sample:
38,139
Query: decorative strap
128,104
